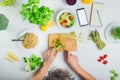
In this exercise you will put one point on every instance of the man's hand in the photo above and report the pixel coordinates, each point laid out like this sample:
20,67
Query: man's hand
72,60
49,56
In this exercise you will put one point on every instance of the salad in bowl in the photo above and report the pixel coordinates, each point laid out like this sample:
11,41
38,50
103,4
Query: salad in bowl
112,33
65,19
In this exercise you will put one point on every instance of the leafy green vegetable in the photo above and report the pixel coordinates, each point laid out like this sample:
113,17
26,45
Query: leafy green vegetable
32,62
95,36
116,33
7,2
35,14
3,22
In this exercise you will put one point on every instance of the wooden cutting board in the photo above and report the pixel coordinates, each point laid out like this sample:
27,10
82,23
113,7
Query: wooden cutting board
70,44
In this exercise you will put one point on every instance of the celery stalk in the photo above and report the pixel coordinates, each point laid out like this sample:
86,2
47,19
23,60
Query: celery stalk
65,35
57,48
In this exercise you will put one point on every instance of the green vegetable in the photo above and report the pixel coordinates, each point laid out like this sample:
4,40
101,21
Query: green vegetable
65,35
3,22
7,2
33,1
73,32
113,78
32,62
95,36
112,71
57,48
116,33
58,44
35,14
114,74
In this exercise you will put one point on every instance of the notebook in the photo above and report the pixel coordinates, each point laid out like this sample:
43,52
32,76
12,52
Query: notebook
96,17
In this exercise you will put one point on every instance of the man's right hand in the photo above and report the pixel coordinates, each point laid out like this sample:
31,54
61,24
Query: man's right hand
72,60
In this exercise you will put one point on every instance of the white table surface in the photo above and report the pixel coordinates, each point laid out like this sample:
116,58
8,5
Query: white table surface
87,52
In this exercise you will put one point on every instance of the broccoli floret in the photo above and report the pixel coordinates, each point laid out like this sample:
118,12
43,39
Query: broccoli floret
3,22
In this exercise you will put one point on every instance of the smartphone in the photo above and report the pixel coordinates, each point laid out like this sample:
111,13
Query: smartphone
82,17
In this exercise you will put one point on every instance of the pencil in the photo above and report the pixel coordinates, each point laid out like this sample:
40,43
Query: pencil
99,17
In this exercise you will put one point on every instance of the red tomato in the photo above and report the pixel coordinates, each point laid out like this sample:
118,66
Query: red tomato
70,17
65,21
102,58
105,62
105,56
99,60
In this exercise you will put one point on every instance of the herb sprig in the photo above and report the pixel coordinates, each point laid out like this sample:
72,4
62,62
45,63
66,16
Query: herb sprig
116,33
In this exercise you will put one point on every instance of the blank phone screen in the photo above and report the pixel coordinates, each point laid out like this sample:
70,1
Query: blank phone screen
82,17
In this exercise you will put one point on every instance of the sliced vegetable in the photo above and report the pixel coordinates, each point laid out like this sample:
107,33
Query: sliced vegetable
32,62
58,45
95,36
3,22
57,48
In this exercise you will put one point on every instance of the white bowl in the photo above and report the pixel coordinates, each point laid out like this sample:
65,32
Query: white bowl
108,35
58,16
19,43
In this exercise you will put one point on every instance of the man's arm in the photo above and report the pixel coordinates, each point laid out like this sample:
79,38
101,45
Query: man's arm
73,62
49,57
83,73
42,71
